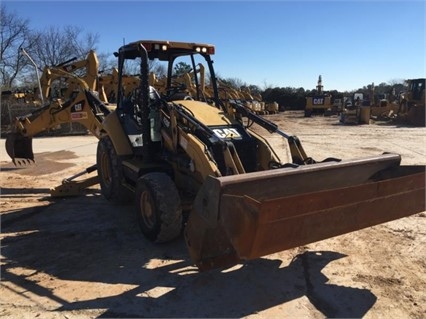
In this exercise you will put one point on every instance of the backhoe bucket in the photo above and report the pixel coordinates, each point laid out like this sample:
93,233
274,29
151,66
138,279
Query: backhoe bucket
19,148
243,217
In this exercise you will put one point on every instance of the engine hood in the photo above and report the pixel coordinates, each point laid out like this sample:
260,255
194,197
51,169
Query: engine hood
203,112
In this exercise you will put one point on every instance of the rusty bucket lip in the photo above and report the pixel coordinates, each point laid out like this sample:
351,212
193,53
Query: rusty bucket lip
254,176
286,181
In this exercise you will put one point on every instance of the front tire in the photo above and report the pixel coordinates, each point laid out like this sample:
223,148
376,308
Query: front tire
110,172
158,207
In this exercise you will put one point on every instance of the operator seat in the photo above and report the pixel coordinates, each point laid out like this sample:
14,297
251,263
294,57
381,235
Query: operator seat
129,106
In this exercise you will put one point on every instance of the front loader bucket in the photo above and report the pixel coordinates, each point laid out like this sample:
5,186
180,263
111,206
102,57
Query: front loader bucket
247,216
19,148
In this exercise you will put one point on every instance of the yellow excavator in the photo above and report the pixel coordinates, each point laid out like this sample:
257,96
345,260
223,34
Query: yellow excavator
202,169
320,103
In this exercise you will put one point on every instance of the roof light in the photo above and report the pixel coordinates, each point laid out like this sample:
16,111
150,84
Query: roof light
156,47
208,50
164,47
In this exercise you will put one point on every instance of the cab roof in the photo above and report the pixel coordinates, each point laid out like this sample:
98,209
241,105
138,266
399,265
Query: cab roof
163,50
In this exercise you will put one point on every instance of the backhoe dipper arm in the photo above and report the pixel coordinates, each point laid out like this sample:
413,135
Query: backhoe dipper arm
82,107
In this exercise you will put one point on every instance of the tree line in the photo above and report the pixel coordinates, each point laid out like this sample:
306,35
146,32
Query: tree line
54,45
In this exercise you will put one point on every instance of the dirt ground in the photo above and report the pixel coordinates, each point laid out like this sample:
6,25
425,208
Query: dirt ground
84,257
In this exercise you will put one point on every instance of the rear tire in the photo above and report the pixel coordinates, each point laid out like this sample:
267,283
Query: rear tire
110,173
158,207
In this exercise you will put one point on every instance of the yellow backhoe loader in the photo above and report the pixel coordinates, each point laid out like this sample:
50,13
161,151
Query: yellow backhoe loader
82,106
199,168
412,103
108,84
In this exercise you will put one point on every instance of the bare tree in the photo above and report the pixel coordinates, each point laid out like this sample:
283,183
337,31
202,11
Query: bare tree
106,62
160,70
47,48
57,45
14,35
236,83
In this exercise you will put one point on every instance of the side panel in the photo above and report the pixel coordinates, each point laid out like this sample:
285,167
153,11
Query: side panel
115,131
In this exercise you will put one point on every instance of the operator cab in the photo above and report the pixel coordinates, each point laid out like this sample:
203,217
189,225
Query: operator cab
170,71
130,115
178,70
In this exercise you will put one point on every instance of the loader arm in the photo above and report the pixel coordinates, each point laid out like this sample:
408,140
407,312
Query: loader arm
226,154
297,152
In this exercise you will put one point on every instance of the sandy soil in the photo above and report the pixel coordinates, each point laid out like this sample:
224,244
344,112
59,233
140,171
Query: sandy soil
84,257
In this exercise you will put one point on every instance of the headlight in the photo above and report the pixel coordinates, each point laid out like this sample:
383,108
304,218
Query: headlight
162,47
208,50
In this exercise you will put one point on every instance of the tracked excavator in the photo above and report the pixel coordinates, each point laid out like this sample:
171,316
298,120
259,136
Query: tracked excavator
201,169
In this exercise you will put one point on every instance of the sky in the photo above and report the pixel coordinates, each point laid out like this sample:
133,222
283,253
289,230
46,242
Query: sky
284,43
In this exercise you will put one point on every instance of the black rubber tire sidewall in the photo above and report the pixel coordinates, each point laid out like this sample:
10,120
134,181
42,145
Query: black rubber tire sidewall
167,207
111,187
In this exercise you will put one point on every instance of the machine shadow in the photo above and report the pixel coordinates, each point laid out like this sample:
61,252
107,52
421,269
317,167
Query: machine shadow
4,191
7,168
100,243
